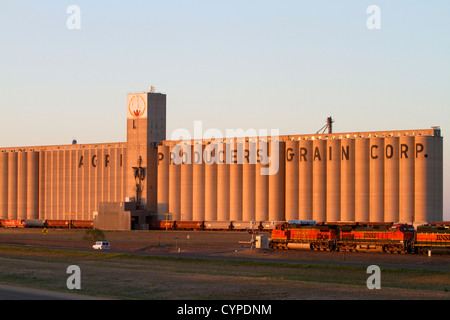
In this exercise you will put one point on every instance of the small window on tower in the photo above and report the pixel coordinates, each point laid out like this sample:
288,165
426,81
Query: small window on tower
134,124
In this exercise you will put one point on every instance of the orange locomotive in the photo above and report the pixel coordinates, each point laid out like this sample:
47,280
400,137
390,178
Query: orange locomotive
318,237
397,238
432,236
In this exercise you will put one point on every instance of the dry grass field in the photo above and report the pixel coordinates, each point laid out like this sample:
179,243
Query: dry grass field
167,265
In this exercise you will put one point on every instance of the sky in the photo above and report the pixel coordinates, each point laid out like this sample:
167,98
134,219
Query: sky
249,64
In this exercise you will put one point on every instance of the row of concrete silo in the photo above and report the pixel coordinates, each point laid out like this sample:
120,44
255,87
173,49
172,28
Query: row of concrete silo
376,179
60,184
220,189
19,185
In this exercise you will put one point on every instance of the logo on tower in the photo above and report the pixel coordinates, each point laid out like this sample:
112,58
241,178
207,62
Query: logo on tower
137,107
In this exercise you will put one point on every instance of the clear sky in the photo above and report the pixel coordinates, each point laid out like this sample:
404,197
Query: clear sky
250,64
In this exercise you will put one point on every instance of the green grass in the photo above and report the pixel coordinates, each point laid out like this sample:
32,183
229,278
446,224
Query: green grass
128,276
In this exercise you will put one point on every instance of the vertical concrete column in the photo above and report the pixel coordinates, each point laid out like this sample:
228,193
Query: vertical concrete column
80,185
163,180
439,215
377,179
12,185
42,184
210,155
362,180
198,183
236,183
348,180
319,180
406,179
60,186
112,168
334,180
276,180
186,183
248,181
67,194
305,180
33,185
48,184
73,165
427,183
223,184
292,179
262,183
391,179
3,185
86,185
22,186
175,184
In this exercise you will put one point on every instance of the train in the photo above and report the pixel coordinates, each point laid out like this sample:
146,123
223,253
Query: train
53,224
214,225
389,238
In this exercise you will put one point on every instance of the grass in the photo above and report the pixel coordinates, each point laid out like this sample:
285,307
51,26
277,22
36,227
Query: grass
127,276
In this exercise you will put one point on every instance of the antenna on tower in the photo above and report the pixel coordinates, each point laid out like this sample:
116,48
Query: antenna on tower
328,126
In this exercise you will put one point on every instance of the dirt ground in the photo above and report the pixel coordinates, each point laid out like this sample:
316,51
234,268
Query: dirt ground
214,265
225,244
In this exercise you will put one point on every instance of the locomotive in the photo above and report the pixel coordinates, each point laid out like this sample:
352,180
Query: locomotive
389,238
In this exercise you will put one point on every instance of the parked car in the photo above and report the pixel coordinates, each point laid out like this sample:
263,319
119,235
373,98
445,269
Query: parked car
101,245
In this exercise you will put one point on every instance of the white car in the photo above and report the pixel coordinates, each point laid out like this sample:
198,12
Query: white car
101,245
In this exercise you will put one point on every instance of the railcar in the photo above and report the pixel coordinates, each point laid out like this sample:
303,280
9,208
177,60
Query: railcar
188,225
429,237
397,238
12,223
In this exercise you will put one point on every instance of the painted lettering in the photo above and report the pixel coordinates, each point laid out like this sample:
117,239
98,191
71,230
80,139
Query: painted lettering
289,154
317,154
389,151
346,153
372,155
303,153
